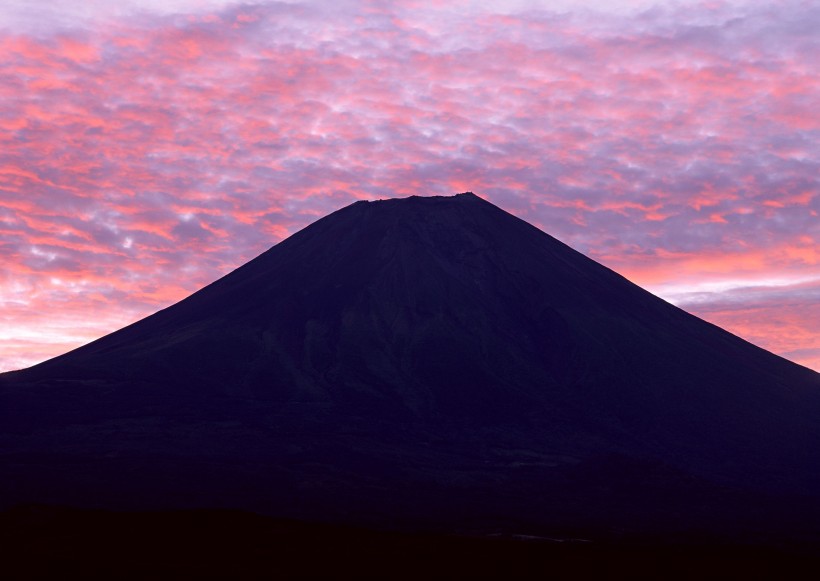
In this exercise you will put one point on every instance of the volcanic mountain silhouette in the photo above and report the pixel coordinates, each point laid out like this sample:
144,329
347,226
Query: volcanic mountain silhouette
427,361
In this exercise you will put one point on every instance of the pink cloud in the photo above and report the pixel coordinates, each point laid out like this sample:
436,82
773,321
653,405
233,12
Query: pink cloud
783,318
147,155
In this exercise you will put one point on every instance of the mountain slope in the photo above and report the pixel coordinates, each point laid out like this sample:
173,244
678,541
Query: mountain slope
427,360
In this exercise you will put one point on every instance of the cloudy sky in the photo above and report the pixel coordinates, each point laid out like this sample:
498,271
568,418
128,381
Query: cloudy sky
149,147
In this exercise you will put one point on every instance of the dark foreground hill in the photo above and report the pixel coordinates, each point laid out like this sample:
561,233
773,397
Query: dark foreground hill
425,364
52,543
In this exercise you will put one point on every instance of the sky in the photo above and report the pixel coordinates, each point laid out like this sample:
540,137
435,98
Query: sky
149,147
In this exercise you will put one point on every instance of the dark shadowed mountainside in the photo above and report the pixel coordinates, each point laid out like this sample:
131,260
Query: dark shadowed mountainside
425,363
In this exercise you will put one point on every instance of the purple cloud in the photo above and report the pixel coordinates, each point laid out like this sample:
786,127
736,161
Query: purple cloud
675,142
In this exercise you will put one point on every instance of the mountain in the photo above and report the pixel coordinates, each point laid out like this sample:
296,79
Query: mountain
427,362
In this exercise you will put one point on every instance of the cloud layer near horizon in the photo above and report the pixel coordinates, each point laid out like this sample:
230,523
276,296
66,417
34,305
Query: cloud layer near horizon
147,152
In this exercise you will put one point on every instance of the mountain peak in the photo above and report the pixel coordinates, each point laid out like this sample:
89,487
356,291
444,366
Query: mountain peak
438,199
